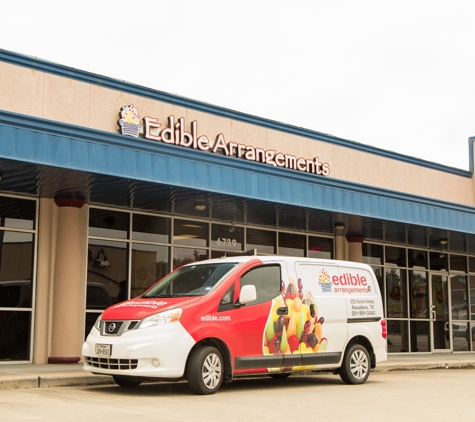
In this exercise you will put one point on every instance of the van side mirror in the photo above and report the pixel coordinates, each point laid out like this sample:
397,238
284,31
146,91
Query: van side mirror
248,294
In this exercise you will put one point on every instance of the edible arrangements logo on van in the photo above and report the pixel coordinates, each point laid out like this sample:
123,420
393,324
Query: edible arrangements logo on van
152,304
176,133
343,283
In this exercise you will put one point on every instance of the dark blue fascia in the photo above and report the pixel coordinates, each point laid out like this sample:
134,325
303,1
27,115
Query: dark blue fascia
43,142
122,86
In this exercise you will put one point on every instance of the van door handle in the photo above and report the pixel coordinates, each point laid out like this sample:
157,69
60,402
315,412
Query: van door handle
282,311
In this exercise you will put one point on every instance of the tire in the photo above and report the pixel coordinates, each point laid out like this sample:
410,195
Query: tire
280,375
356,365
126,382
205,370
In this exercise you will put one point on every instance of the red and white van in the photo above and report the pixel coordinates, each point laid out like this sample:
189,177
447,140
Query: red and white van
215,320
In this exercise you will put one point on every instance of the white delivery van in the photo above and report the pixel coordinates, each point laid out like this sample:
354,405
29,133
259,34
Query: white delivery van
215,320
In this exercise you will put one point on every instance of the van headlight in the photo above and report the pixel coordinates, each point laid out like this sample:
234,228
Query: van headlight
161,318
97,324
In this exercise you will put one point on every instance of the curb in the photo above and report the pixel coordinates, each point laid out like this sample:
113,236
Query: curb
17,382
415,366
81,379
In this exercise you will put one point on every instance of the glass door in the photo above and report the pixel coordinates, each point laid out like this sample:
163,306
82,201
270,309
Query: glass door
440,313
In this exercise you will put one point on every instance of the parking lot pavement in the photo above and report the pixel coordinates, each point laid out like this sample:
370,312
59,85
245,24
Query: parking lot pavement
20,376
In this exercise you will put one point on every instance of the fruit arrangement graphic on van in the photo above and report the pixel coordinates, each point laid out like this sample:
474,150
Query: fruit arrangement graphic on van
300,330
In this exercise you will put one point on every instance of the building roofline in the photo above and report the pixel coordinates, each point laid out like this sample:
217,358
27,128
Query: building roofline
123,86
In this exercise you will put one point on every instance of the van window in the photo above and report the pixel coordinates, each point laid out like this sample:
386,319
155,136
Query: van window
227,301
190,280
267,280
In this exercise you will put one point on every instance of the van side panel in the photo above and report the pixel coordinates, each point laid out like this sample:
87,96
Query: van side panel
331,319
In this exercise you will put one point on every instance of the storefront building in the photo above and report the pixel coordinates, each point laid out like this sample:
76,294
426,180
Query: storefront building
106,186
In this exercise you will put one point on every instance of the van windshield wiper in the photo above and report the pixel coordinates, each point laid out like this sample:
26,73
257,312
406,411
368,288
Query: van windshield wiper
158,296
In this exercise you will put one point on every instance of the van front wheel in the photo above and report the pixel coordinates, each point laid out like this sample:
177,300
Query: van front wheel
126,382
205,370
356,365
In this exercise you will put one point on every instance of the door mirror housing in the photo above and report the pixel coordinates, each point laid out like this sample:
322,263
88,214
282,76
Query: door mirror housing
248,294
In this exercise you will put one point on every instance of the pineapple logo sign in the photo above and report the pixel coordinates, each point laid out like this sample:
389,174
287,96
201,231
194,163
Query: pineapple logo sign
129,121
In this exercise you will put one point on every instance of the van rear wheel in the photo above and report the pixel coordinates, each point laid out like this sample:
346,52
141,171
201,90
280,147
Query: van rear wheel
205,370
356,365
280,375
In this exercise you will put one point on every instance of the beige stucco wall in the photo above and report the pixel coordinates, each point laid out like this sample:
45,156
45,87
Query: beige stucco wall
56,98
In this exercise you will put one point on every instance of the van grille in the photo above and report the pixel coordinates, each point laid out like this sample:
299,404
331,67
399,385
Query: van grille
107,363
116,328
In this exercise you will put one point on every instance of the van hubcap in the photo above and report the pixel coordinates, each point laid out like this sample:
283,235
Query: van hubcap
212,371
359,364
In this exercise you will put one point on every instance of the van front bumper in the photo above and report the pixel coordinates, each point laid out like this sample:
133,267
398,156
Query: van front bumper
157,352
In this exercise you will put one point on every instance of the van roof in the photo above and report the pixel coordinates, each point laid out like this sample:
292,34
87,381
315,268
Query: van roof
288,259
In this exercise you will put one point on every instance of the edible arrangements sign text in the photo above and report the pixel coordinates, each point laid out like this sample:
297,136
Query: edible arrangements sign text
175,133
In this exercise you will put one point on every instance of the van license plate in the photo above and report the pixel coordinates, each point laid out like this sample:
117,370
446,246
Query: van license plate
103,349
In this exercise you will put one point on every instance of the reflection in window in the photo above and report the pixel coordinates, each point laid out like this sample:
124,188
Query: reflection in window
458,263
372,254
108,223
262,240
107,265
150,263
459,295
192,233
150,228
15,335
460,336
397,336
16,278
17,213
438,261
320,247
419,294
291,244
183,256
472,297
227,237
396,256
396,293
417,259
16,269
420,336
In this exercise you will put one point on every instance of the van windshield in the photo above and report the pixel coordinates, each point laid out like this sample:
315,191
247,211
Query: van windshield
192,280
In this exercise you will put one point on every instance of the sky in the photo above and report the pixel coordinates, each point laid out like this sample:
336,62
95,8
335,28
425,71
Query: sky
397,75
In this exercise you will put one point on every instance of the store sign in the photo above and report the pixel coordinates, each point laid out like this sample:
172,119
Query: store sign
176,133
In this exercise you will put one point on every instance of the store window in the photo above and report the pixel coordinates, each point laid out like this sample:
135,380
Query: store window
226,240
183,256
458,263
106,276
261,240
417,259
17,257
372,254
108,223
320,247
190,232
395,256
150,263
397,336
291,244
438,261
396,289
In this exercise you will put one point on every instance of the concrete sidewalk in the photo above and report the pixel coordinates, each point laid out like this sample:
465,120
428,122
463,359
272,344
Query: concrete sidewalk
21,376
